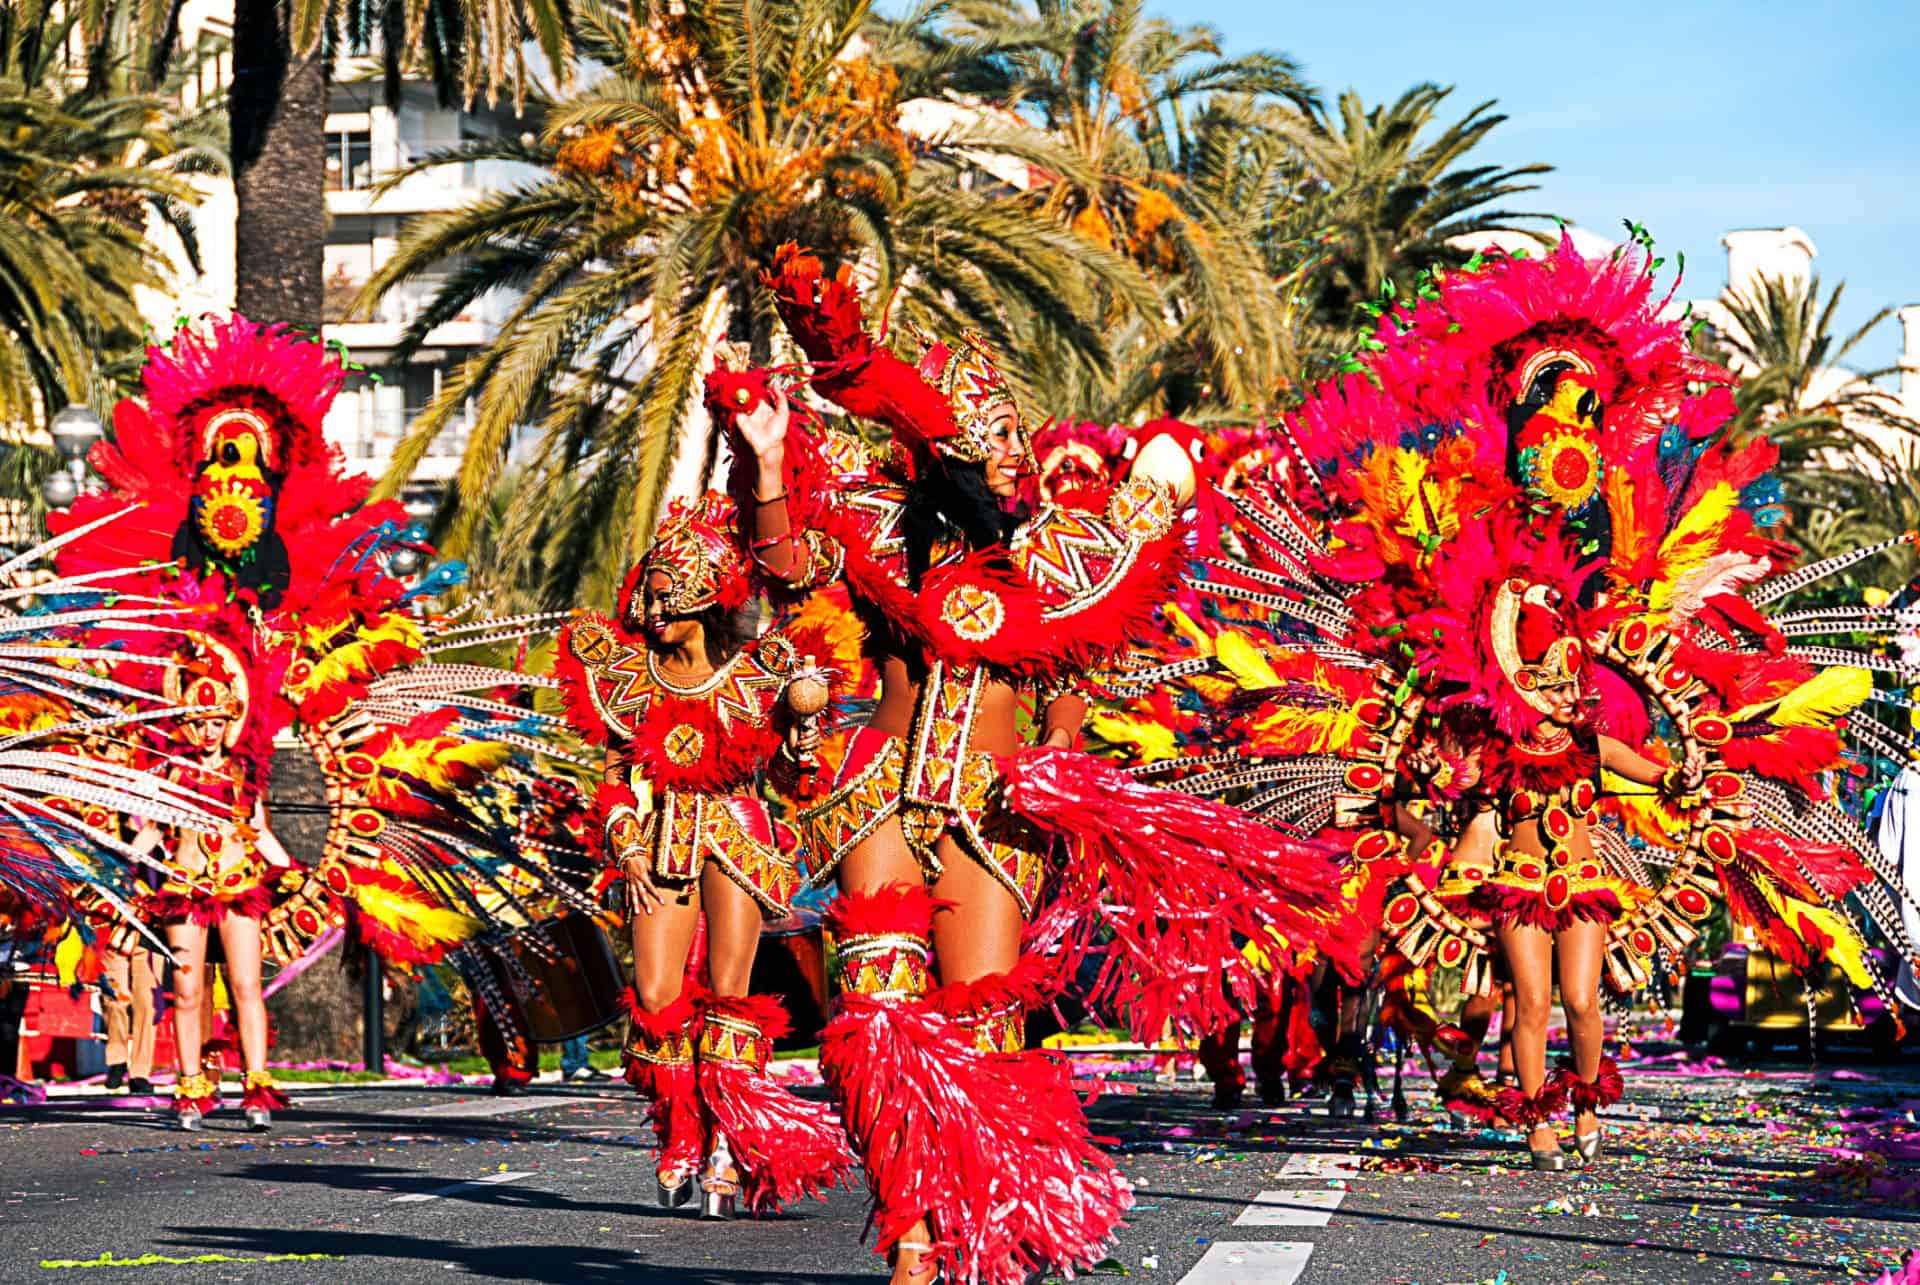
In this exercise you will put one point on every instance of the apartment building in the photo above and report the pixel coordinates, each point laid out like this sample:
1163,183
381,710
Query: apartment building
368,142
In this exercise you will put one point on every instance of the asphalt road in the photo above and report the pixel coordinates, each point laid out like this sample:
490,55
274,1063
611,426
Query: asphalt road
1737,1181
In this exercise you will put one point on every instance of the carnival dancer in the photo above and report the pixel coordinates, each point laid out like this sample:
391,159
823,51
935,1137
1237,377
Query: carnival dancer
248,533
943,826
1548,895
218,879
692,708
1528,517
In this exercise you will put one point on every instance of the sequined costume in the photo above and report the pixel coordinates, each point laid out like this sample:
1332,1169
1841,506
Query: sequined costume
688,759
1531,489
270,571
957,1123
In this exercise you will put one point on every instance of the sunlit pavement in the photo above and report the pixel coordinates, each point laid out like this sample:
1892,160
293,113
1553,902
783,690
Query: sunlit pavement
1781,1174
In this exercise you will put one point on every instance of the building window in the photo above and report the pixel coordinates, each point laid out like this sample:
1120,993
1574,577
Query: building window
349,162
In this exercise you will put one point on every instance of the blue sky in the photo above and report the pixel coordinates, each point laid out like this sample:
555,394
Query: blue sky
1692,118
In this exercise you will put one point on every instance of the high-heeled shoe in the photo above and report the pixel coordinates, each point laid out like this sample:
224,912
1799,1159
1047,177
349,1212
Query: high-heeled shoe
673,1188
1554,1161
1587,1146
719,1184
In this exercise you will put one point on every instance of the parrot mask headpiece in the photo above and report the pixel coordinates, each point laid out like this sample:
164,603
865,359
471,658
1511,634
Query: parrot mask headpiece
244,405
1556,419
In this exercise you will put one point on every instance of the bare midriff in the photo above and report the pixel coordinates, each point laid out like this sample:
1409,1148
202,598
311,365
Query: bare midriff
1526,838
996,719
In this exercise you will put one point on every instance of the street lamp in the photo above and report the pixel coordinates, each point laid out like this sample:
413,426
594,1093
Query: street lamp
420,507
59,489
74,431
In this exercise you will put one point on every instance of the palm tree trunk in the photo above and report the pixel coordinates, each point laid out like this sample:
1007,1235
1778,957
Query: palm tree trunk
757,324
277,111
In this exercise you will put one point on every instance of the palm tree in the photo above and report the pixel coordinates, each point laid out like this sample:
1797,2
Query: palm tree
83,167
1383,198
1134,129
277,103
718,133
1848,454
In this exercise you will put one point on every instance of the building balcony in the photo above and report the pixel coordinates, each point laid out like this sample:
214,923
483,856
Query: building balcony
352,185
478,323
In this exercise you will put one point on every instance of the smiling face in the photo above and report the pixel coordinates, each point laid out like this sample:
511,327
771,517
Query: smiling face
1006,450
665,631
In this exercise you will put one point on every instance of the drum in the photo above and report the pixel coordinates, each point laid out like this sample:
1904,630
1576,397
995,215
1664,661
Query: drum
562,975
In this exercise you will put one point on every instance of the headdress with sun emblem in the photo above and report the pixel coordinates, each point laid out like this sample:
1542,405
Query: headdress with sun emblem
698,549
243,405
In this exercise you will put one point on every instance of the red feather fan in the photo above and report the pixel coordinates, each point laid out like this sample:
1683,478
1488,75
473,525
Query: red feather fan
1181,882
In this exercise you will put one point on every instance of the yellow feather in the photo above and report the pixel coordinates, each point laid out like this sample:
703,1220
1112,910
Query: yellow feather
1848,951
1828,695
840,627
1307,731
1630,531
433,760
1153,741
1194,634
67,955
1244,661
1696,537
422,924
1643,812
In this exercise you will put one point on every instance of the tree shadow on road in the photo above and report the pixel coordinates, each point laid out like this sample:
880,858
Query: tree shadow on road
543,1264
1639,1244
506,1196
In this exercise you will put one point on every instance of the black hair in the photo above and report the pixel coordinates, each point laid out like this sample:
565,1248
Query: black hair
727,629
724,630
951,497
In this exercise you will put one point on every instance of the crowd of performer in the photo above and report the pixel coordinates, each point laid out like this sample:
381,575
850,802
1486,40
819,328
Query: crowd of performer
1493,660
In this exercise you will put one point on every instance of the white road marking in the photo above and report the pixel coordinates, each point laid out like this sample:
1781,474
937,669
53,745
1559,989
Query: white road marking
1325,1164
417,1197
1250,1262
1294,1207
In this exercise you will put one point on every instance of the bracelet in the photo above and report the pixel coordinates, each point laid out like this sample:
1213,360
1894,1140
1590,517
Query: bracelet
768,499
761,545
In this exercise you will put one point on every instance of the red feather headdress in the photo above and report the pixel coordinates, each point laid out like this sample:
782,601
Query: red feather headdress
699,550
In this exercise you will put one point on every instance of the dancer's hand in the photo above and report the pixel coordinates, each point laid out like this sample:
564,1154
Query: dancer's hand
642,895
764,430
803,738
1693,769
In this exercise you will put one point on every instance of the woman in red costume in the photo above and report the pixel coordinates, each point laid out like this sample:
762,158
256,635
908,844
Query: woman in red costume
692,711
942,824
217,880
1547,894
